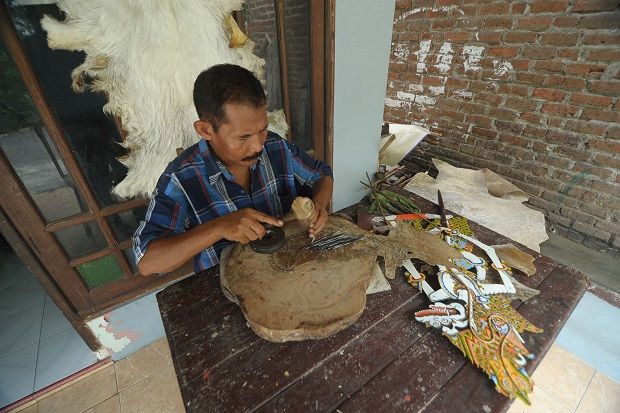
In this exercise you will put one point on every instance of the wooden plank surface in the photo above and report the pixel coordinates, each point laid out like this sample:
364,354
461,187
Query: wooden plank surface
386,361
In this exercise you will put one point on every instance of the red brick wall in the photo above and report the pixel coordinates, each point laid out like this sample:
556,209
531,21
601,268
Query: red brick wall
528,89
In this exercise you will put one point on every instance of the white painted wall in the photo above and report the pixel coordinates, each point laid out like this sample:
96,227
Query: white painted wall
363,38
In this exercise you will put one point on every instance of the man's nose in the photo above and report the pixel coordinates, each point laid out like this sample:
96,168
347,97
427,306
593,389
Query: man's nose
257,143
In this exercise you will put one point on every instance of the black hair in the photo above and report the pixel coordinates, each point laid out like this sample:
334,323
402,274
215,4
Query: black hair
226,83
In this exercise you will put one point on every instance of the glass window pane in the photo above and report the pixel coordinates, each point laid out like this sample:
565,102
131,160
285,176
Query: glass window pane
131,258
30,151
92,135
126,223
101,271
82,239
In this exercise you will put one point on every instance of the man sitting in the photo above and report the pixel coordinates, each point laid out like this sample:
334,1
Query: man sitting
222,189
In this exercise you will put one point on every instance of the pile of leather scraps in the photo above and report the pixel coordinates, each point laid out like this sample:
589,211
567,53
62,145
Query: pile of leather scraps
484,197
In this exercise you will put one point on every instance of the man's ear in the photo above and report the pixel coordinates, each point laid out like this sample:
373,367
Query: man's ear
204,129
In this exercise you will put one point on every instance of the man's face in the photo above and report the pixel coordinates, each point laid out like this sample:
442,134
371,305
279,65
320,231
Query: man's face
239,141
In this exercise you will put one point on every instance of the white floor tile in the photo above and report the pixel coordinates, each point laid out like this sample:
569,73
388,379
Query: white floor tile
20,297
17,374
20,330
12,270
60,356
54,321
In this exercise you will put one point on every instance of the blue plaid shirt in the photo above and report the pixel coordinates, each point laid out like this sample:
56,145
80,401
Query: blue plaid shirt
196,187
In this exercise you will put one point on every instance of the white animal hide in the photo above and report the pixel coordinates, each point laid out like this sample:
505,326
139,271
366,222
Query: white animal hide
145,55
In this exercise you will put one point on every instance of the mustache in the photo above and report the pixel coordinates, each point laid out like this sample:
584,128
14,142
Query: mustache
252,157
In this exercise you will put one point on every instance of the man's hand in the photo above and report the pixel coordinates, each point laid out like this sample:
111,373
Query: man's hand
321,219
245,225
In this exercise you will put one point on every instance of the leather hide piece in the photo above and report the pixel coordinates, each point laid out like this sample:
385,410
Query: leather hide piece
144,55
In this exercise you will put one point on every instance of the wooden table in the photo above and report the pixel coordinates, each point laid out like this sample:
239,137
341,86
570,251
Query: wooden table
386,361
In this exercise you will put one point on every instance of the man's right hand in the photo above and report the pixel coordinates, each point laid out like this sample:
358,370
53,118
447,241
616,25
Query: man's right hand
245,225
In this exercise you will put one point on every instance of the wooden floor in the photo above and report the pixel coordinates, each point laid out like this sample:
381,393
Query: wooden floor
386,361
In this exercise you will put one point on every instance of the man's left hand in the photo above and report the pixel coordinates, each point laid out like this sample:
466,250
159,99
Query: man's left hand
321,219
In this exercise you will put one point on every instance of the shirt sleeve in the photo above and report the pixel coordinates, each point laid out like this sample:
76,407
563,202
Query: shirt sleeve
306,169
166,215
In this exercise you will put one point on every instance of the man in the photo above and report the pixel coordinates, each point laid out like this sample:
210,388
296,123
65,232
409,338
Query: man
226,187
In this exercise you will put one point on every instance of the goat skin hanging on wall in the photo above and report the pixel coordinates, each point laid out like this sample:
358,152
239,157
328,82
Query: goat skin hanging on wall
144,56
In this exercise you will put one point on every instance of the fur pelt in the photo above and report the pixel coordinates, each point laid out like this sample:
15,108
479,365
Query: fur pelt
145,55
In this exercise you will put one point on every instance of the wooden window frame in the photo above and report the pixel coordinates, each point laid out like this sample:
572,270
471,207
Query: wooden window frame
32,238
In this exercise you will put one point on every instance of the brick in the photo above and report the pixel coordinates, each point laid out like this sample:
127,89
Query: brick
468,23
549,6
598,114
606,55
535,131
614,132
515,140
605,146
589,6
593,232
519,103
553,160
490,98
556,122
601,39
489,37
494,8
531,78
569,54
565,82
500,22
513,89
480,120
473,108
605,87
591,100
549,66
508,126
539,52
442,23
504,114
584,69
519,8
606,160
562,138
534,22
605,20
559,109
483,132
572,153
566,21
563,39
548,94
530,117
503,51
457,37
520,37
589,127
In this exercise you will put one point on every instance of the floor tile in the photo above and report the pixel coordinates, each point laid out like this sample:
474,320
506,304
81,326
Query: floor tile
20,297
602,396
83,394
588,335
17,374
563,376
20,330
12,270
541,403
157,393
60,356
142,363
54,321
112,405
